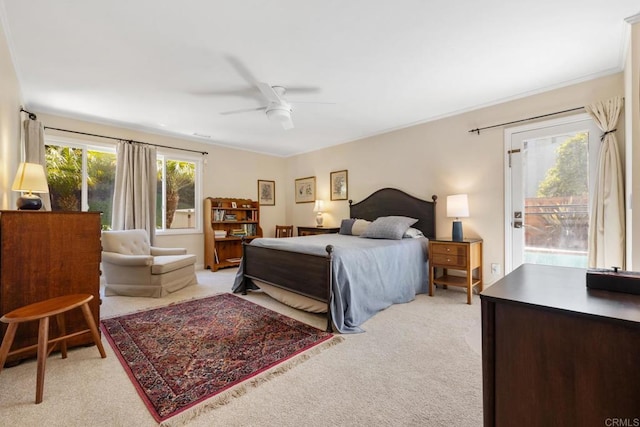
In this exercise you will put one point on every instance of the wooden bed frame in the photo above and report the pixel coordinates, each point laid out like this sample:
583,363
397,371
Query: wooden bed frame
311,275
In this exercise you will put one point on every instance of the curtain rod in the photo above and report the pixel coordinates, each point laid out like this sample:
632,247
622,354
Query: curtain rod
477,130
124,139
31,115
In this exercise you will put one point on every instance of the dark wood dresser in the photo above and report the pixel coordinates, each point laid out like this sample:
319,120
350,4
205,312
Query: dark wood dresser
557,354
45,255
310,231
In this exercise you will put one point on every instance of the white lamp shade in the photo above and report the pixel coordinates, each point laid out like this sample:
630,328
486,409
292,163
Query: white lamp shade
457,206
30,177
319,206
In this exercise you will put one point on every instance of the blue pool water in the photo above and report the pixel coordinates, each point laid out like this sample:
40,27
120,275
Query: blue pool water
578,259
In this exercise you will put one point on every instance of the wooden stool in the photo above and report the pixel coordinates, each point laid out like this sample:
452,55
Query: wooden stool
42,311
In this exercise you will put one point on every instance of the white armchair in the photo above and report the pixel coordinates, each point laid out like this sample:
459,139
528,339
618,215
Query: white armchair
135,268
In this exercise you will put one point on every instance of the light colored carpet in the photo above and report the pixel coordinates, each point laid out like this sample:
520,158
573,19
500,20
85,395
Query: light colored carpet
414,366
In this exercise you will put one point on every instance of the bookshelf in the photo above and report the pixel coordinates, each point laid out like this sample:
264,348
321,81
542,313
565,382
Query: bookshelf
226,222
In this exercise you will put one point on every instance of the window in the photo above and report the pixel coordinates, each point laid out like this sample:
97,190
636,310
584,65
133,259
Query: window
82,178
177,206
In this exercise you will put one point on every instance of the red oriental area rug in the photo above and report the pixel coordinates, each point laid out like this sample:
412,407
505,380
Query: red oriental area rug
195,355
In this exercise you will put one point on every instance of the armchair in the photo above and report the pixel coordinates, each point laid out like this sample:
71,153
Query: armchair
135,268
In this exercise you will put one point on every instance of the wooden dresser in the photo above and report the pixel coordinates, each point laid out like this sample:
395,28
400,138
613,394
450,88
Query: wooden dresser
44,255
310,231
555,353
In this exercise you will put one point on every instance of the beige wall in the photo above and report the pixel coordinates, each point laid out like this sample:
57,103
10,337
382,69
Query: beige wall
632,116
10,99
442,158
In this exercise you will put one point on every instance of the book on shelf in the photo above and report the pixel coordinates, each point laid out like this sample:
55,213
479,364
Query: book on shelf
234,259
230,217
220,234
250,229
215,254
238,232
218,214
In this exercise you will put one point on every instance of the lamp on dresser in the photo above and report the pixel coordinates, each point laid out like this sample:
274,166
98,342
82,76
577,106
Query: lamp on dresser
30,178
457,207
319,208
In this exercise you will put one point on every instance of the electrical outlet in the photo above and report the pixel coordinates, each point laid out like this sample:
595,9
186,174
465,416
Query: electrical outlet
495,269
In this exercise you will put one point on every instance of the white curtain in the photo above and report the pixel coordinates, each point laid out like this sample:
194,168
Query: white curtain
134,197
34,151
607,223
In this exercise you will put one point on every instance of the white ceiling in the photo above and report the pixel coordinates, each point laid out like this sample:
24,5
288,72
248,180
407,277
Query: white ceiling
172,67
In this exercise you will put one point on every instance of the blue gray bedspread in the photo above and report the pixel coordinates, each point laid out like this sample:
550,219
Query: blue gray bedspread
368,274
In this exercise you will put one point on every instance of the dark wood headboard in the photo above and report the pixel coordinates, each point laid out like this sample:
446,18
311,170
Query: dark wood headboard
391,201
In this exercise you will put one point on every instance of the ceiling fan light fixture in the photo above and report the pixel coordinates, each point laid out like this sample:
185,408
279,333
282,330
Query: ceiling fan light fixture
279,114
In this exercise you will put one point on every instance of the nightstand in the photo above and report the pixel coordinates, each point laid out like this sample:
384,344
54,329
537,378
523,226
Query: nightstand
446,254
309,231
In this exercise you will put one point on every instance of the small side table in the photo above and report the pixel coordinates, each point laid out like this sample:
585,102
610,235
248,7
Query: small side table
309,231
465,256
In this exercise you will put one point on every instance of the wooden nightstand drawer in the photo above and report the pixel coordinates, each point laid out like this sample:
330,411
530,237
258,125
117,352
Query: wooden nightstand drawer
449,260
449,249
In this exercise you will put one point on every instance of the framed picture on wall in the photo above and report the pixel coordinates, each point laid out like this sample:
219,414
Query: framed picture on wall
339,183
266,192
306,190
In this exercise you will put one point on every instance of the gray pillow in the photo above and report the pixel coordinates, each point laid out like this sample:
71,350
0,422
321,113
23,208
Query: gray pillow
389,227
346,226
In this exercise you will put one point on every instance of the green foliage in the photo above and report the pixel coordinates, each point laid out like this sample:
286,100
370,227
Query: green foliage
101,168
568,176
64,174
180,181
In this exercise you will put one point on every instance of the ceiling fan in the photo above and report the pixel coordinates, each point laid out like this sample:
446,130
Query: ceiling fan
278,109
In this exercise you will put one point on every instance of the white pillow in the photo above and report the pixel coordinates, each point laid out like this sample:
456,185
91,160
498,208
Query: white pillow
413,233
359,226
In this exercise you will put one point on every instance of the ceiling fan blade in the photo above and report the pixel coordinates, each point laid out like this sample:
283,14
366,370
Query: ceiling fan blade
244,110
311,102
269,93
302,89
242,70
245,92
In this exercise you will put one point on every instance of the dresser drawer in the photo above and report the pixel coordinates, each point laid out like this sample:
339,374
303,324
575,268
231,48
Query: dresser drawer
449,260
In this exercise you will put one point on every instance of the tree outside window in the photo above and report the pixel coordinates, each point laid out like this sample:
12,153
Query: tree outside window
558,217
81,179
176,192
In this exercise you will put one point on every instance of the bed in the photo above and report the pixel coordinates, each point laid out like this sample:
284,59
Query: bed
349,277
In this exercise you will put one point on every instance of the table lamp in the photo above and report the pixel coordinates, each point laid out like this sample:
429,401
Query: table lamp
457,207
30,178
319,207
